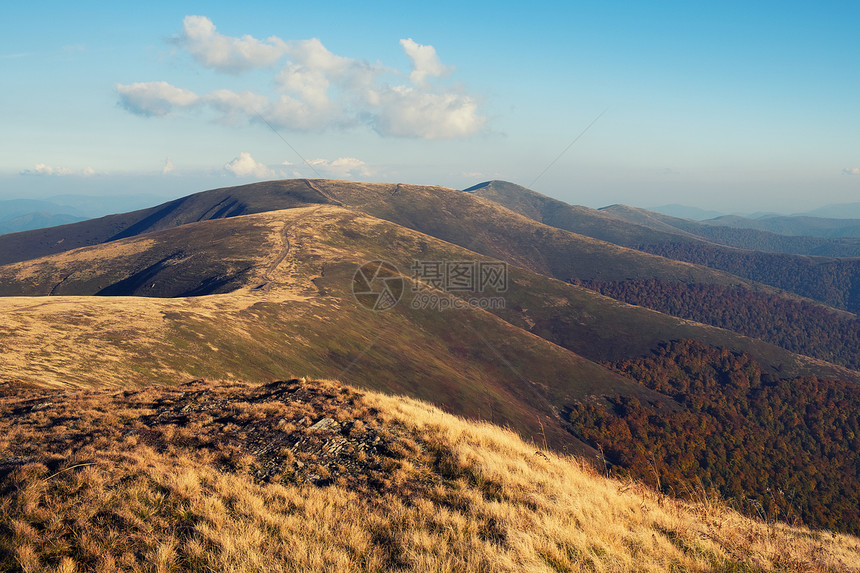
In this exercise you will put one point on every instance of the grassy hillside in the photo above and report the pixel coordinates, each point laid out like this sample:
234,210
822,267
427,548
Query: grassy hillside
171,263
295,315
299,476
274,299
488,228
214,204
631,226
294,269
600,224
833,281
471,221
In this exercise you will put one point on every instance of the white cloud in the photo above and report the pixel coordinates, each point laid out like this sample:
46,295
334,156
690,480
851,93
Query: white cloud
247,166
407,112
851,171
168,167
45,169
225,53
425,62
236,108
154,98
341,168
295,114
316,89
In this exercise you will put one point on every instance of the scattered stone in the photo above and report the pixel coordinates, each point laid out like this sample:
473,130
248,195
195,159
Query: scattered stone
324,424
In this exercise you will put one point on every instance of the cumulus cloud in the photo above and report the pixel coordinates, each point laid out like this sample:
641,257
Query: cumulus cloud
408,112
851,171
247,166
316,89
45,169
168,167
341,168
154,98
425,62
225,53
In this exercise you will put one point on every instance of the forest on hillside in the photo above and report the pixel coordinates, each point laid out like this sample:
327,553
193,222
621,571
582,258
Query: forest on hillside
796,325
835,282
759,240
785,449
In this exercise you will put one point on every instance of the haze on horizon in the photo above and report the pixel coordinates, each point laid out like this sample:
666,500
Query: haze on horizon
731,107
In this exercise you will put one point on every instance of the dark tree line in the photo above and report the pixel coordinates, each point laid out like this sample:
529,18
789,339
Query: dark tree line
787,449
835,282
795,325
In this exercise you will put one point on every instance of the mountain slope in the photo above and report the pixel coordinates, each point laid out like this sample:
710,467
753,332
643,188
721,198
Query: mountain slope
486,227
596,223
312,253
833,281
293,314
521,353
316,476
451,215
477,224
437,211
214,204
632,227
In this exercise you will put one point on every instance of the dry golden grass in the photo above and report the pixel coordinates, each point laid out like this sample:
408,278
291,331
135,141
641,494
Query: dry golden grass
315,476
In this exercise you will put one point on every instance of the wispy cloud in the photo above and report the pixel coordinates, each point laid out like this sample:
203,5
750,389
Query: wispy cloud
245,166
851,171
341,168
48,170
155,98
316,89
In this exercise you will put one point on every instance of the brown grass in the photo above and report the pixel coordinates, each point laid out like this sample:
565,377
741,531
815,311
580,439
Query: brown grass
301,476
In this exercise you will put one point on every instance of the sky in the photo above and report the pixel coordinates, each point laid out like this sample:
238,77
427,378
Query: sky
732,106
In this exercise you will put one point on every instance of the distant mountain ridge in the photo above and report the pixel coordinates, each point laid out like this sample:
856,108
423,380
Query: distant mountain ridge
686,212
749,234
214,204
832,280
798,225
36,220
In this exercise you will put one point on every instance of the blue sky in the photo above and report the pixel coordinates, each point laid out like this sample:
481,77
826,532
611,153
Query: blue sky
735,106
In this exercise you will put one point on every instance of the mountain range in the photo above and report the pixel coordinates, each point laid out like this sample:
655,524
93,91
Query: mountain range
630,338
